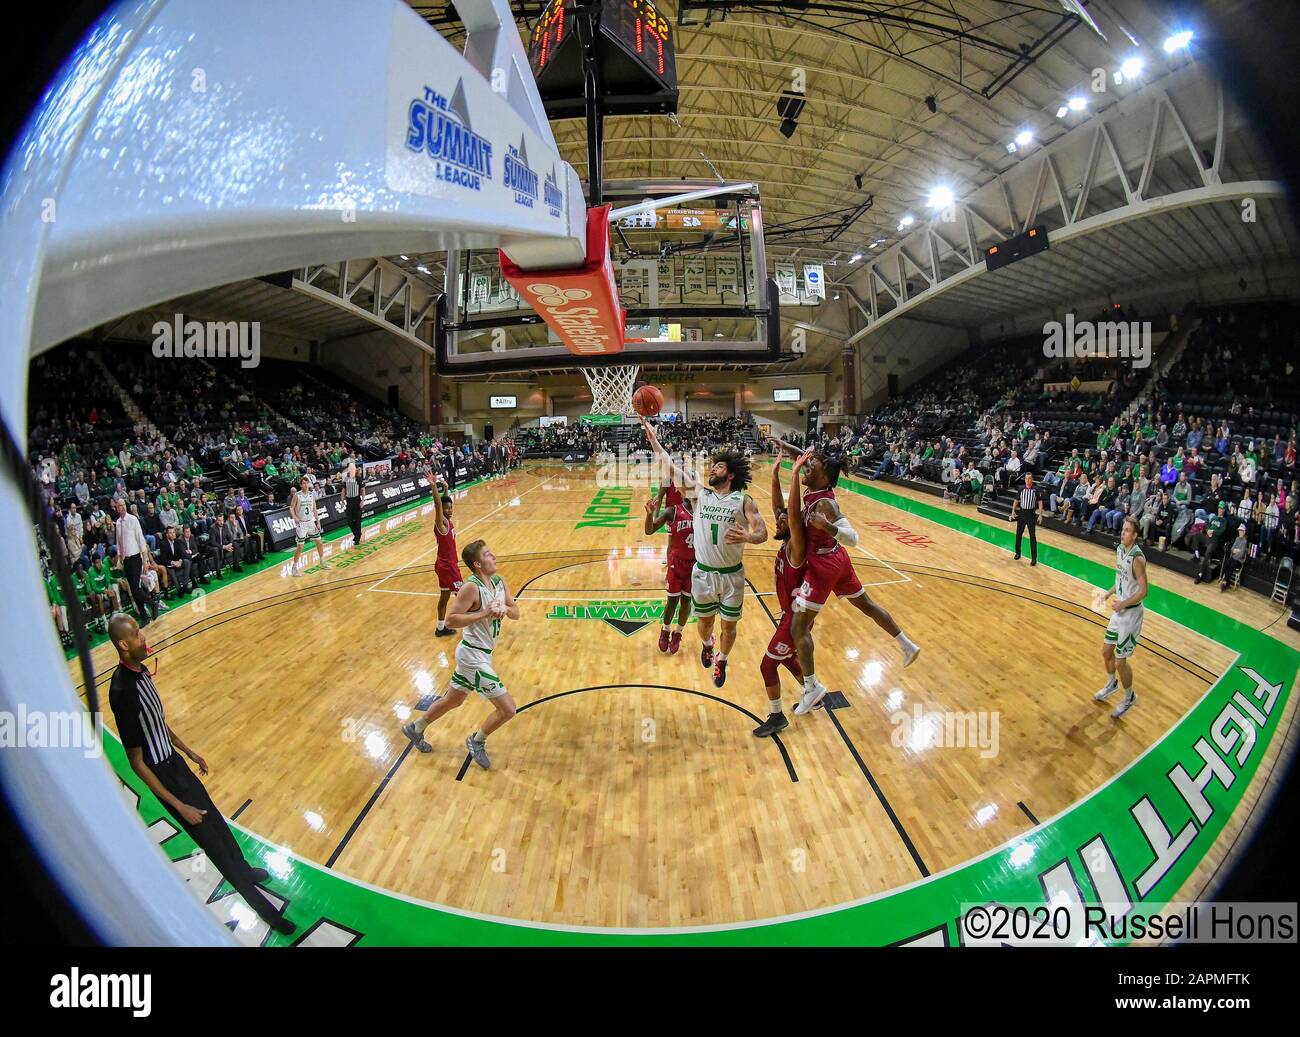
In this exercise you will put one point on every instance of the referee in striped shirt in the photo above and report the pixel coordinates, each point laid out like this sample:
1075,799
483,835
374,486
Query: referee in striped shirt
151,749
1027,510
352,487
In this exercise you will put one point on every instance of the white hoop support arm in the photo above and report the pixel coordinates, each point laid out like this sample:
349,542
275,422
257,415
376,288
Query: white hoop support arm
187,145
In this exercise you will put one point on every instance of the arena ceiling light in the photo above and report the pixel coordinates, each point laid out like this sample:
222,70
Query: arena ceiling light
1024,138
1131,68
1077,103
1178,41
1062,112
906,221
855,257
940,197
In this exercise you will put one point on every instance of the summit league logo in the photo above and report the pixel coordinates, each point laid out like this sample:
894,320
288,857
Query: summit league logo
554,196
441,127
519,177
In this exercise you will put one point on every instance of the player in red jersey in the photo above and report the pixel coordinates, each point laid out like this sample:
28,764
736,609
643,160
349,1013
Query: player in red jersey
780,650
829,567
681,561
447,565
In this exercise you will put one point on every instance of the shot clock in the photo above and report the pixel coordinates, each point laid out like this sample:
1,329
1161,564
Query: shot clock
634,57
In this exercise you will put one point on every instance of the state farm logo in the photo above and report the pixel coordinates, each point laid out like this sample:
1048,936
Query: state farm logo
553,295
585,329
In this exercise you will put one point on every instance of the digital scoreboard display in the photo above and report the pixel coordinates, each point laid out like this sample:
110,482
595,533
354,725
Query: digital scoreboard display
502,402
635,57
785,395
645,33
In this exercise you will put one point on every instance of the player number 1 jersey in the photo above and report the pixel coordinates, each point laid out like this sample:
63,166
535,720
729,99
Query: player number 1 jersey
714,515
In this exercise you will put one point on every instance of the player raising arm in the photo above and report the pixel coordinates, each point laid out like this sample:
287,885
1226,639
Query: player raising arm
681,563
817,538
780,649
726,519
445,567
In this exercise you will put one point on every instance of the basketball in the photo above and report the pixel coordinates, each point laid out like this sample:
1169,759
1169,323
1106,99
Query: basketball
647,401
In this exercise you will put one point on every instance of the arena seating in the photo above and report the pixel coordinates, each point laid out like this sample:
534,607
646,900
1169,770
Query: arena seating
1234,383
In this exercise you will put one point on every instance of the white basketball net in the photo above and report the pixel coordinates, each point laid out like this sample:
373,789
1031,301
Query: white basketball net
611,388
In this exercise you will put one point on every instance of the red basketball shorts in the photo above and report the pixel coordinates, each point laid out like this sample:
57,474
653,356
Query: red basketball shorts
780,652
449,578
828,572
677,580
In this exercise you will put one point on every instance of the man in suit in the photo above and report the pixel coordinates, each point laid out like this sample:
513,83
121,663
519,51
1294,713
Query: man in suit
229,554
172,558
249,542
198,553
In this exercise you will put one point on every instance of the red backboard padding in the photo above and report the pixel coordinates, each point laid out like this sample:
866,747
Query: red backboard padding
580,304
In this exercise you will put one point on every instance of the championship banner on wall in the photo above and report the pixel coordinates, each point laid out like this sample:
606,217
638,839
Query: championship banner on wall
333,510
480,290
667,277
697,275
814,280
633,280
785,279
726,269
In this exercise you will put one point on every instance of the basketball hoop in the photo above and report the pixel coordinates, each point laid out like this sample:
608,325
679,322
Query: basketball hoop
611,388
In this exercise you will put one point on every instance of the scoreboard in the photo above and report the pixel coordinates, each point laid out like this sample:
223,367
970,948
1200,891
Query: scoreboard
634,55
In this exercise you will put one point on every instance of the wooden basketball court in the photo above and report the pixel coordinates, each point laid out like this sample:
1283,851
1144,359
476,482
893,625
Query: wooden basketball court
629,792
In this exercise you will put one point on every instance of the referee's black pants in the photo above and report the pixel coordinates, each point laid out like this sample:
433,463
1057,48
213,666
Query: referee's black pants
212,834
354,517
1029,522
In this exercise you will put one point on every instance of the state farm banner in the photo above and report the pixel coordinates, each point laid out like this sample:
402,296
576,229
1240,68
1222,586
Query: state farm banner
333,510
579,304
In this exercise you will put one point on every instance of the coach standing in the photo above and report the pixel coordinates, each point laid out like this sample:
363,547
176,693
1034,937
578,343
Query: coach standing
352,497
151,746
132,551
1027,510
